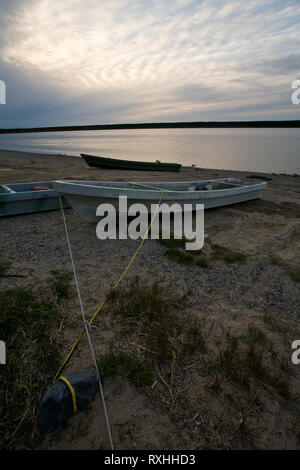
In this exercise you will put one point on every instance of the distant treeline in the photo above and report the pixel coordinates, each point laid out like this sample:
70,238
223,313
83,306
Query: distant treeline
153,125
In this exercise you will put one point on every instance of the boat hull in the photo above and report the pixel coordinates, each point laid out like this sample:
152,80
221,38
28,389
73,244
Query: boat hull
19,198
115,163
85,197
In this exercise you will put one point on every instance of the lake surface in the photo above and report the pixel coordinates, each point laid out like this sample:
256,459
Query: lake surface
263,150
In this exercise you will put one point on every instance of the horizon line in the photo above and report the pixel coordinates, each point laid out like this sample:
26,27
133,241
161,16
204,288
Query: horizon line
156,125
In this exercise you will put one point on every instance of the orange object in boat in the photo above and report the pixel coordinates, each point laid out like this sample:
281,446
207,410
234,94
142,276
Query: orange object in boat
40,188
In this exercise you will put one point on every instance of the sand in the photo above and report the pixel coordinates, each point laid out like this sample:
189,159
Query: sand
265,229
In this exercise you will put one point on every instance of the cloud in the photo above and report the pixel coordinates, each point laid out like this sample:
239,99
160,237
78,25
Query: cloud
129,60
280,66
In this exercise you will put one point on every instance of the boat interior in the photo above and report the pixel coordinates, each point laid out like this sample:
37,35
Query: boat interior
24,187
207,185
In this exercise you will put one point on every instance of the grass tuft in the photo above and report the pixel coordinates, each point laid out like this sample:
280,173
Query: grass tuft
61,284
139,372
255,335
4,266
194,341
294,274
178,256
203,263
137,300
230,256
172,242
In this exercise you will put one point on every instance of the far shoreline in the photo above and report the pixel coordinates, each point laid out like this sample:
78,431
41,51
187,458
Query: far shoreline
159,125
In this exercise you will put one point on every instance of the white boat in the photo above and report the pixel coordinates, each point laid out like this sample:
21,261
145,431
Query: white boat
86,196
25,198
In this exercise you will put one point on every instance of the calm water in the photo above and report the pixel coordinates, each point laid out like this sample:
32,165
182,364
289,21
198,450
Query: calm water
265,150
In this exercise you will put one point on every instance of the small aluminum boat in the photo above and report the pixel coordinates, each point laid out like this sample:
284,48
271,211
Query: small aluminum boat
25,198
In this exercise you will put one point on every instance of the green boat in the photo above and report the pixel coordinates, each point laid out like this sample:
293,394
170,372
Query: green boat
117,164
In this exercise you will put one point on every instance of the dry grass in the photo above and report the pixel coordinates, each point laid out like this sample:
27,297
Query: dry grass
217,386
198,368
4,266
31,325
176,252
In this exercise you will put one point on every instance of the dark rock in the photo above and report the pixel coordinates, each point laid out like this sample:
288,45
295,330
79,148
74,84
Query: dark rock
57,403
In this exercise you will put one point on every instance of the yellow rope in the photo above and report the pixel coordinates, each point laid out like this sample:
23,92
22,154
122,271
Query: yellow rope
115,286
71,390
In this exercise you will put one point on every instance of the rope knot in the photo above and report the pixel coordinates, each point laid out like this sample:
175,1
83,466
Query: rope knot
90,328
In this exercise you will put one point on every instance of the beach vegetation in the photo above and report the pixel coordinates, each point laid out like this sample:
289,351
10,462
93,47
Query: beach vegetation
29,325
176,252
61,287
172,242
178,256
182,363
275,261
4,266
294,274
226,254
138,371
151,311
275,323
203,263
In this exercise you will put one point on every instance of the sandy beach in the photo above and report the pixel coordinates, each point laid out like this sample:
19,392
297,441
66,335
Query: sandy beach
228,295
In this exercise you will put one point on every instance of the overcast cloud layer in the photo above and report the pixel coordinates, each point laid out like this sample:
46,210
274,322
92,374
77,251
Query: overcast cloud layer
108,61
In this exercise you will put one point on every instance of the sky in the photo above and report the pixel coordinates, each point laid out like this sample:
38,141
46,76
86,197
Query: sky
72,62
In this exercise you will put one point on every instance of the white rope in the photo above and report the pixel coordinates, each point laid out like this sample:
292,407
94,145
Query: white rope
87,327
